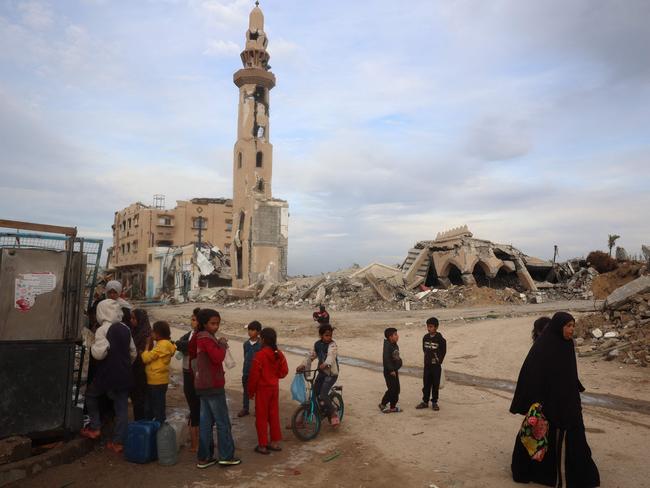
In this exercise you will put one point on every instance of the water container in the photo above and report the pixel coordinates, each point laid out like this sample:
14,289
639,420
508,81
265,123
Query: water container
140,446
166,440
180,427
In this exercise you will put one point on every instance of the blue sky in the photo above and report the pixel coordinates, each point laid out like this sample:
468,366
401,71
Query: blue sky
391,121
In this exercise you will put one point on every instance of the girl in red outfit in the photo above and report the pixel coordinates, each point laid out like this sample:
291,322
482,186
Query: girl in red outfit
269,365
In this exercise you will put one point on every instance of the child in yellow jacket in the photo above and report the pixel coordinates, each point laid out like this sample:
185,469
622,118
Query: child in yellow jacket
156,361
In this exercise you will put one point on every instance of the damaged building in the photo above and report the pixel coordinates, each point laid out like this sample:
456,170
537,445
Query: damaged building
148,240
214,241
456,257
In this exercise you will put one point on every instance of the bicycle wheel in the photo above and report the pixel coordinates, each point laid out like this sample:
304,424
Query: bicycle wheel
305,423
337,402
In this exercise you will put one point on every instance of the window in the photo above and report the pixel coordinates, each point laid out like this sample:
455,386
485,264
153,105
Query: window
228,227
258,159
164,220
260,185
129,223
135,246
122,248
239,161
199,223
128,247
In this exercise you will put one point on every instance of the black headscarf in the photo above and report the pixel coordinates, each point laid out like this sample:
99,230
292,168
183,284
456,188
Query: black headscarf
549,376
142,330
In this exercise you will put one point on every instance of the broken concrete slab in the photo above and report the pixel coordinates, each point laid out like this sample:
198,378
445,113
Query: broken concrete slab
312,288
421,258
624,293
381,290
267,290
416,282
423,294
241,292
14,449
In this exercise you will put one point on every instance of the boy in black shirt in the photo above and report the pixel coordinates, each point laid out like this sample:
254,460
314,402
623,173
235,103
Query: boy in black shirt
392,363
434,347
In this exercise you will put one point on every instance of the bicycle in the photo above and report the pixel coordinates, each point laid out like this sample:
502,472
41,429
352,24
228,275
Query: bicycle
307,419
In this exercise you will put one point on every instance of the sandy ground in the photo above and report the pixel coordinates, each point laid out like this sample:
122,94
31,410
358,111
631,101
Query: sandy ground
468,443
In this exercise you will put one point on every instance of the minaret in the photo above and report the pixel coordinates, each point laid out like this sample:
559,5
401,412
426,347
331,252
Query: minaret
253,156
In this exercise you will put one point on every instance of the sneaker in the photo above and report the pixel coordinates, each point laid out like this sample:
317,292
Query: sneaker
242,413
206,464
421,405
382,407
90,433
334,420
229,462
435,407
388,409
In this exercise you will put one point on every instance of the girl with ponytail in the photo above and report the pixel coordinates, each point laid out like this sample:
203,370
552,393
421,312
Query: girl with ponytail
269,366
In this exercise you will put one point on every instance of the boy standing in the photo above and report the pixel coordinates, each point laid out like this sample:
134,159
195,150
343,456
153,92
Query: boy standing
434,347
156,361
392,363
251,346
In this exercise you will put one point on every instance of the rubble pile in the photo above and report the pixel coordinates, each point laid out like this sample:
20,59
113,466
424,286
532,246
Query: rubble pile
571,285
376,287
622,330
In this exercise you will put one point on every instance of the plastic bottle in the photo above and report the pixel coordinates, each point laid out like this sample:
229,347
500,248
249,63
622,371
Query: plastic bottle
166,441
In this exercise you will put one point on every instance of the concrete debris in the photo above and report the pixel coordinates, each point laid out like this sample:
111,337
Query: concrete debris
621,331
623,294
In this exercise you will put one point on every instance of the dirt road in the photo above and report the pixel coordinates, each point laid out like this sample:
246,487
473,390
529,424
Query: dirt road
467,443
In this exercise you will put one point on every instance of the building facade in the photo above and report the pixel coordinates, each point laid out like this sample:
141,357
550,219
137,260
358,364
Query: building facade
138,228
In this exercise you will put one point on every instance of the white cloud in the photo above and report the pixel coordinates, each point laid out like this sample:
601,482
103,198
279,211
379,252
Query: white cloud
381,119
37,15
222,48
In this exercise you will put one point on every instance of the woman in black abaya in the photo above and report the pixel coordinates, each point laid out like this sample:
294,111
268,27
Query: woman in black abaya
549,376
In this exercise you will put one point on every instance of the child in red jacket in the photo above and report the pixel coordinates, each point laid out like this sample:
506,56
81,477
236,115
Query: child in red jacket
269,365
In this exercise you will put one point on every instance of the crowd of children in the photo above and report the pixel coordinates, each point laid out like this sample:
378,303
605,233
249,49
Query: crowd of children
132,359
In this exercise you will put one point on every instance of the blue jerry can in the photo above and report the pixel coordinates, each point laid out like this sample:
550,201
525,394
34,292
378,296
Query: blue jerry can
140,446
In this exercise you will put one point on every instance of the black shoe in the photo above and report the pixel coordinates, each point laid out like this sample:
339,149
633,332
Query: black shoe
435,407
421,405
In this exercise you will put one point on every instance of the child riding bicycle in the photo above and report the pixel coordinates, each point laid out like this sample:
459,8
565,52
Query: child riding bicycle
325,350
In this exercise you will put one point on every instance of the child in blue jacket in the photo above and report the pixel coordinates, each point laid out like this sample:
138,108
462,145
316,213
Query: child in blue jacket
251,346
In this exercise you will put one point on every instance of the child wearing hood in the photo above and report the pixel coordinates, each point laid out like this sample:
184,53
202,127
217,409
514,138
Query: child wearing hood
114,351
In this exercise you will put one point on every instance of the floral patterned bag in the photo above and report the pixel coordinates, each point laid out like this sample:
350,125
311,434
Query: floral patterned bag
534,432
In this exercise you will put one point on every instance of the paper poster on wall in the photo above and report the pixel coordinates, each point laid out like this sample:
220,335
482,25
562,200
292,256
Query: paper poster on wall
29,286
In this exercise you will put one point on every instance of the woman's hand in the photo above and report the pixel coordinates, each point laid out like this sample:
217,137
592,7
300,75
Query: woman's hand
300,368
149,345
